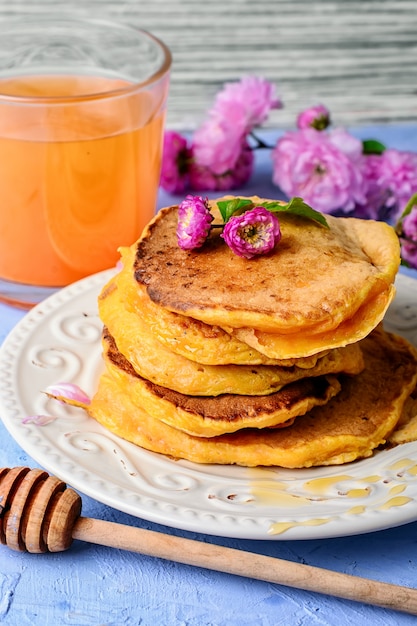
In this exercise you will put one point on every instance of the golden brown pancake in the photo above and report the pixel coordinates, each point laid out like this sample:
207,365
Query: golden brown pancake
313,281
153,361
189,337
406,429
210,416
350,426
349,331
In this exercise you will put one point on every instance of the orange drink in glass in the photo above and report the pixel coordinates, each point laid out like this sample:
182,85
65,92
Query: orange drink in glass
82,108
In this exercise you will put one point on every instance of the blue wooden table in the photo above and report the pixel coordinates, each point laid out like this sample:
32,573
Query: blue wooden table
93,586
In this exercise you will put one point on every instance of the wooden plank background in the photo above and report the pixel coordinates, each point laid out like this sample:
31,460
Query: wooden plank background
357,57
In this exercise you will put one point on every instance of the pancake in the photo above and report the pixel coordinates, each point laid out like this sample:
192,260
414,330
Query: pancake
191,338
153,361
348,332
350,426
313,281
406,429
211,416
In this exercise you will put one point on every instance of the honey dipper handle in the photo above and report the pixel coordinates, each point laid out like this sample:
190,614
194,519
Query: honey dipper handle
248,564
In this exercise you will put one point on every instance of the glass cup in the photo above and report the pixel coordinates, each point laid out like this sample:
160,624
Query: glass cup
82,108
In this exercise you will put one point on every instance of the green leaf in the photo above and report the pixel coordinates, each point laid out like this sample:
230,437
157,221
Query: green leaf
230,207
372,146
297,206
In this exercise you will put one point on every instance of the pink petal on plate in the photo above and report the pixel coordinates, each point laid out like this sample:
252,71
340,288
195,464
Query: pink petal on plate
68,391
38,420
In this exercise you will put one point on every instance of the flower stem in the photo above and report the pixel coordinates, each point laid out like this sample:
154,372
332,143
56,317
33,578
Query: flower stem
260,143
410,204
407,210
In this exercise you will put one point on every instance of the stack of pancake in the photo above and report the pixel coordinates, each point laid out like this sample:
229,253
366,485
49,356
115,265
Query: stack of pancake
278,360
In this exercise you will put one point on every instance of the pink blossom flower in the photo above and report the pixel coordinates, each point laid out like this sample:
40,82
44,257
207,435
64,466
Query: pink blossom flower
408,237
390,178
218,143
247,101
315,166
375,196
194,222
409,253
175,156
219,146
317,117
202,177
398,175
256,231
349,145
409,225
406,228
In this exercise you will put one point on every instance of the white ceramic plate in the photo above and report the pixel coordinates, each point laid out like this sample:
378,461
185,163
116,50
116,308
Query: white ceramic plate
59,340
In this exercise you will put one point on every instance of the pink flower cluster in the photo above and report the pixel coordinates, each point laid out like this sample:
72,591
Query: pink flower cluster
219,157
321,167
390,180
333,171
326,166
255,232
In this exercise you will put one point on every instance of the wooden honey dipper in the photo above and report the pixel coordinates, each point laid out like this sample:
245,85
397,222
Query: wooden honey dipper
38,513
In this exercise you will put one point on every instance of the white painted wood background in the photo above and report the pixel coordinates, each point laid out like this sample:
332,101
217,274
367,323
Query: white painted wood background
357,57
